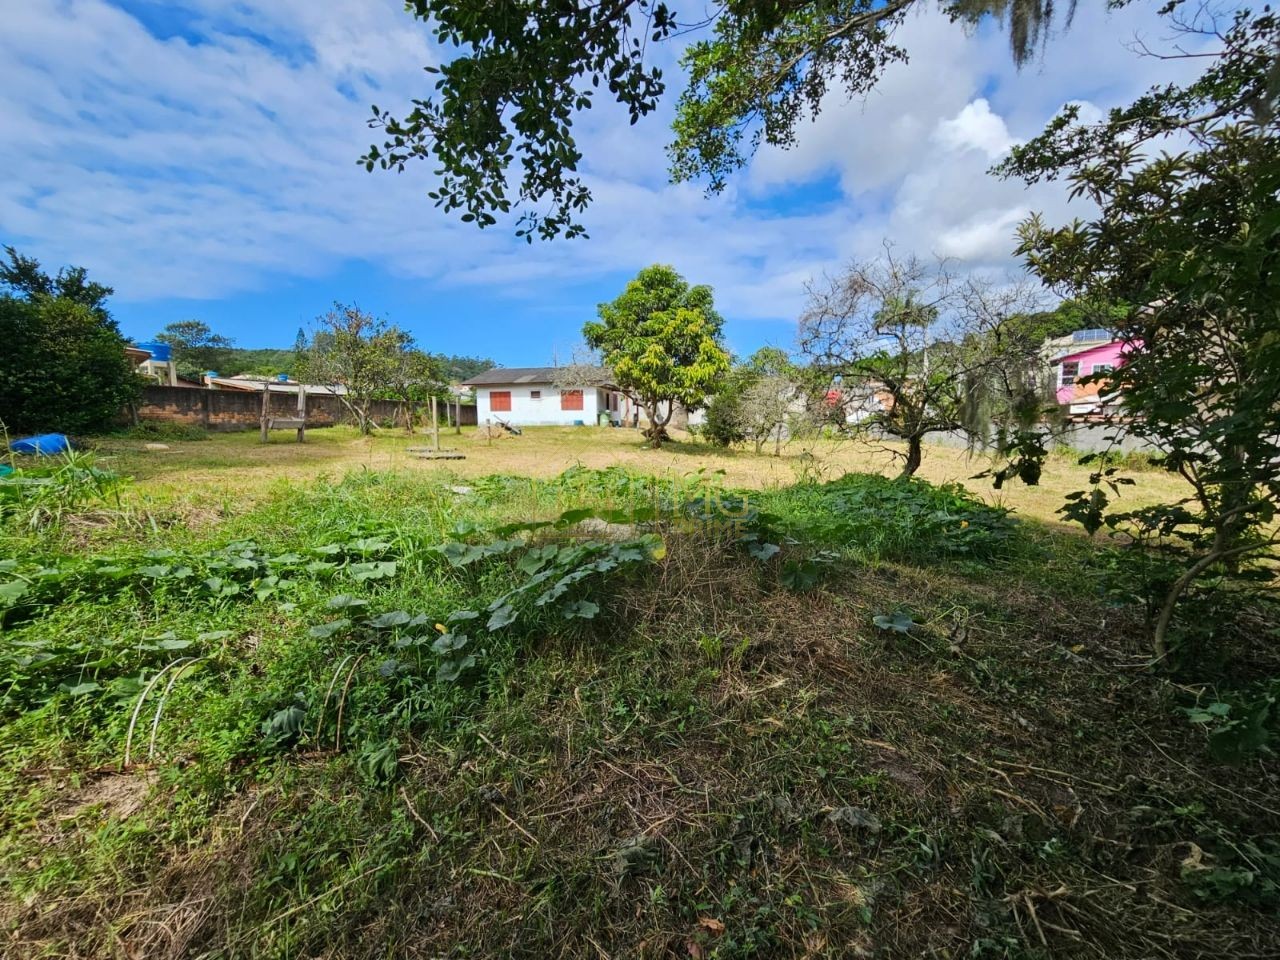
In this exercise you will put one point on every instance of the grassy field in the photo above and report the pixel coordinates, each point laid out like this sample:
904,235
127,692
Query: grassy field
572,698
227,469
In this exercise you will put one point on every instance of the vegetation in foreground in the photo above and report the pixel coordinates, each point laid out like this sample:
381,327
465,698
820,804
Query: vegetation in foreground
603,714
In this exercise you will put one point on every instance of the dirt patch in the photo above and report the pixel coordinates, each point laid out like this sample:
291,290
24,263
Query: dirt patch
116,796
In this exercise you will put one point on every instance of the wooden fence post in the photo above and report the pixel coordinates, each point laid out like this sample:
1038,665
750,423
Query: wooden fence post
266,409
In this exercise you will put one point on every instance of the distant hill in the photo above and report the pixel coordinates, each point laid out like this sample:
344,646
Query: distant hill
233,361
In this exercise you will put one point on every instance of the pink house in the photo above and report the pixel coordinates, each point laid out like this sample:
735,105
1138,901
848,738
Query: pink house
1086,399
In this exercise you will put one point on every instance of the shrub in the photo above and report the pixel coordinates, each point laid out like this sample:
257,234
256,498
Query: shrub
894,519
63,367
163,431
723,426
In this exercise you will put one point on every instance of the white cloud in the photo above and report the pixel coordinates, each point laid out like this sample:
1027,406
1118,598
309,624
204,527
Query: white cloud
975,128
178,168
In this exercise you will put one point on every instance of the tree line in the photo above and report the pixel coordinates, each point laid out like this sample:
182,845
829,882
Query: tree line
197,349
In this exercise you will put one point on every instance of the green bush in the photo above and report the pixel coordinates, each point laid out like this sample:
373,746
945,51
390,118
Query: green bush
163,431
63,367
894,519
723,426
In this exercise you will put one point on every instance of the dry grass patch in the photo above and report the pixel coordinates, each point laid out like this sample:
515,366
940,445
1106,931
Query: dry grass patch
232,471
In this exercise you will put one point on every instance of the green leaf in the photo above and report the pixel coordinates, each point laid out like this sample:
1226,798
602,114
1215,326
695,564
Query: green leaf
501,617
369,545
12,591
374,570
450,642
323,630
581,610
386,621
449,671
899,622
763,551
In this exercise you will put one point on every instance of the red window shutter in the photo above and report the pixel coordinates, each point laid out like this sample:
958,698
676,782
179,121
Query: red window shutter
570,399
500,401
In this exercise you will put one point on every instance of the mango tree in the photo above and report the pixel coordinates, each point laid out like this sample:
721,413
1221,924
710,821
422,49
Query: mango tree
661,340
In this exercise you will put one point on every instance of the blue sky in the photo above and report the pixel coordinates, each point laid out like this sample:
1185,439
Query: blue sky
200,157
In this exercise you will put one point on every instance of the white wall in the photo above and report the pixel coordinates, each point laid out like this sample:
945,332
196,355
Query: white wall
526,411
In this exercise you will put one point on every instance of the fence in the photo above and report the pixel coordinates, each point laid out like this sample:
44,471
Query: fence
1084,437
229,410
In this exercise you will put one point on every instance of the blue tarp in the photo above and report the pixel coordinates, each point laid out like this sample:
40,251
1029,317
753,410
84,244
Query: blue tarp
45,444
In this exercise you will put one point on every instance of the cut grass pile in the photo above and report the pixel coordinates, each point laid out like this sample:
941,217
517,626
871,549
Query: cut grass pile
851,719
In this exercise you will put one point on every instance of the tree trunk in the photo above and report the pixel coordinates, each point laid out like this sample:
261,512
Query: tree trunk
777,444
915,453
657,428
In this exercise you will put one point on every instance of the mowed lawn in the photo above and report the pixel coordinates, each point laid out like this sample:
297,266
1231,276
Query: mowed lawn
231,470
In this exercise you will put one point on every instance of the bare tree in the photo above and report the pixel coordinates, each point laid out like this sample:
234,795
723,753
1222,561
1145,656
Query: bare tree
354,353
915,349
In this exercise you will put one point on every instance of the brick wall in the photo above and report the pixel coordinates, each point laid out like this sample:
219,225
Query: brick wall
225,410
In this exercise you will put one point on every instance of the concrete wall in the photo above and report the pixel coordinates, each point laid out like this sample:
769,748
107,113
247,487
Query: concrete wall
1085,437
225,410
529,411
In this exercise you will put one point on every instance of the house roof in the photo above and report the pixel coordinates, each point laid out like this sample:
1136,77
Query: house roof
531,375
1055,348
274,386
1096,350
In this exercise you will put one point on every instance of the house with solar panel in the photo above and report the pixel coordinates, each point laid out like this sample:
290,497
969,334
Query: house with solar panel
1081,355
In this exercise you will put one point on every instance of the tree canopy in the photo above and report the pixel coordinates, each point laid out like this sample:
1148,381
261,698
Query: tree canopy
762,398
368,359
524,68
63,367
916,350
1186,183
196,348
661,340
25,278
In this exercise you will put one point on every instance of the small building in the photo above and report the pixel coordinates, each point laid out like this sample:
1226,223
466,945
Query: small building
548,396
1095,398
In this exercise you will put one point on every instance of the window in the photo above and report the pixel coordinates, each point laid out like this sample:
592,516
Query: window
500,401
1070,370
1103,367
535,394
570,399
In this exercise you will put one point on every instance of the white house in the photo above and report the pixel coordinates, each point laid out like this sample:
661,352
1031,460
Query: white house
531,396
